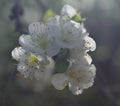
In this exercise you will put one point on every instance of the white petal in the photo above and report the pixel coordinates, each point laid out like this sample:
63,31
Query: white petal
52,49
72,29
53,25
89,43
59,81
18,53
87,76
68,11
23,69
64,43
84,59
74,87
54,30
80,57
49,68
51,64
54,20
37,28
70,34
92,70
27,43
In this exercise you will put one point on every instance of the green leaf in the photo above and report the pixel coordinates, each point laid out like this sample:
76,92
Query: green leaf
61,61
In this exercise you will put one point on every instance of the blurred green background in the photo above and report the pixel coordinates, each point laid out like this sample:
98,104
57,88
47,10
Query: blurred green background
103,24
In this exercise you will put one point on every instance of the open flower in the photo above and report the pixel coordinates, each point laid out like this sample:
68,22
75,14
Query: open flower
87,44
69,34
39,41
78,77
33,66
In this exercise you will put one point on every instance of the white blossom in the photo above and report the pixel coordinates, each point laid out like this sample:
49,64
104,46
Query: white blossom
45,40
33,66
78,77
39,41
69,34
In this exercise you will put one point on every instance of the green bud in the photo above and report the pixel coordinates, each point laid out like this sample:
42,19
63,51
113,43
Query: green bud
49,13
77,18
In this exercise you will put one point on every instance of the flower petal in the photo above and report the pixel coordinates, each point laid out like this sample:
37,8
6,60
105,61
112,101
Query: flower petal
59,81
52,49
87,76
68,11
27,43
90,44
18,53
80,57
53,25
23,69
36,28
74,88
70,34
48,71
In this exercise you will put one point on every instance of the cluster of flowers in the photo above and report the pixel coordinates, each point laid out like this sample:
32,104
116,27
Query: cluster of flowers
46,40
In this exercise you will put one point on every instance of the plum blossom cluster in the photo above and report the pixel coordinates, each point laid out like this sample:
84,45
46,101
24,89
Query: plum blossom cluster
45,41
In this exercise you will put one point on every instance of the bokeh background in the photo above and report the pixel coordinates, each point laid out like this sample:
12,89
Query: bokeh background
103,24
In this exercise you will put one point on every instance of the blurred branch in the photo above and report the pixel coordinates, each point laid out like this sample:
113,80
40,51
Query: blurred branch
17,12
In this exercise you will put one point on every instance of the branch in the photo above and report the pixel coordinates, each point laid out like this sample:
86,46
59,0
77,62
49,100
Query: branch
17,12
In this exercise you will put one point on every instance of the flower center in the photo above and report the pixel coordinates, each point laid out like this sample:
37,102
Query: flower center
32,59
75,76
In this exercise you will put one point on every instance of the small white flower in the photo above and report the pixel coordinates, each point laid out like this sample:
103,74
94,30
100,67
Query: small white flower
33,66
70,33
68,12
39,41
78,77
